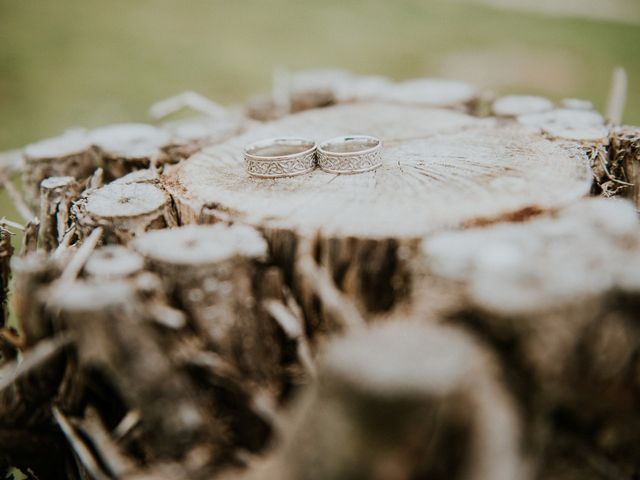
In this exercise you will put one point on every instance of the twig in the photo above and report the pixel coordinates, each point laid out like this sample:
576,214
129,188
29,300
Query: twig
126,425
81,450
167,316
263,404
106,449
617,96
36,356
10,337
11,161
293,328
16,198
337,304
65,242
192,100
603,164
30,237
76,264
8,223
95,181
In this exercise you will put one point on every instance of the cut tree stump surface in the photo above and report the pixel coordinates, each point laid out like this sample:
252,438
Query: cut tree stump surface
440,169
461,312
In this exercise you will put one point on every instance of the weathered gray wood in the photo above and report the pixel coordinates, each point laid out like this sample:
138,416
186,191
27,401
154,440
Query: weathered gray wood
192,135
430,157
516,105
430,92
27,386
124,210
403,401
624,162
189,342
30,237
557,298
70,154
310,89
113,262
441,169
126,147
212,270
56,197
446,395
113,335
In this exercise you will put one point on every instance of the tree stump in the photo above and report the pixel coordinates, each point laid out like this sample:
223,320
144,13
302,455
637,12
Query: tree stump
191,135
124,210
558,298
215,276
516,105
71,154
129,146
56,197
441,169
113,337
463,311
445,416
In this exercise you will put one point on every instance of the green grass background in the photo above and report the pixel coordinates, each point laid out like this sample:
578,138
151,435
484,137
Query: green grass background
86,63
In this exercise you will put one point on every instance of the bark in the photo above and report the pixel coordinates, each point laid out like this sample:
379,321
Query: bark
217,276
624,162
56,197
557,298
116,343
44,455
32,273
6,251
30,237
211,272
28,386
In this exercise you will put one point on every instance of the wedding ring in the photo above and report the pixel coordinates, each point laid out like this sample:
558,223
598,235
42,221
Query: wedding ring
350,154
280,157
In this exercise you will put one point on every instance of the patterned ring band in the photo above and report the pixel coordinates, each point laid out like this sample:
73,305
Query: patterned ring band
280,157
351,154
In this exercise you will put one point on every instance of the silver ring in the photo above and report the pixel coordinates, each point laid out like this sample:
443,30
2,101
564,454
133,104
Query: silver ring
280,157
350,154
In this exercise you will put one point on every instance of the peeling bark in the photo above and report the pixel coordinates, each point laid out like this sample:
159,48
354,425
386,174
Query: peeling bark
6,251
624,162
